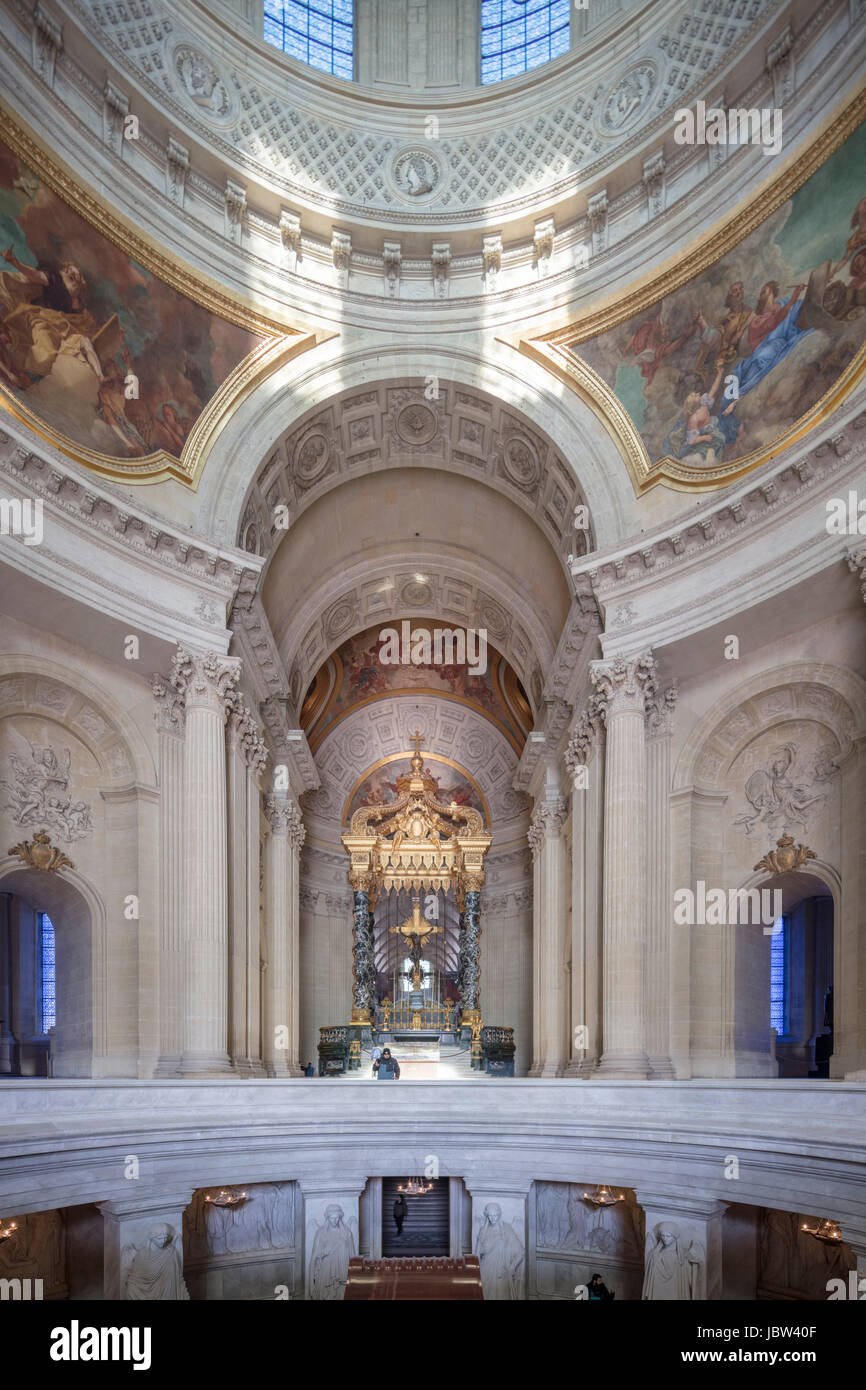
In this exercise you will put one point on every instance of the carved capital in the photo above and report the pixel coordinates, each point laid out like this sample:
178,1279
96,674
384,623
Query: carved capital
625,684
284,817
660,711
586,728
548,818
205,681
245,732
169,713
857,564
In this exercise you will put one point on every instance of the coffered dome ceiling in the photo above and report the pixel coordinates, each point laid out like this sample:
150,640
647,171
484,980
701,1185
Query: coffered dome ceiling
324,142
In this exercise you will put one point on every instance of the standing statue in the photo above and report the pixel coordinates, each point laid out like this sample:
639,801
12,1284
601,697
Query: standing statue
333,1247
673,1269
500,1252
156,1271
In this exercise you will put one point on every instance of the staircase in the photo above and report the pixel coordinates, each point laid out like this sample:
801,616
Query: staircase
455,1063
425,1230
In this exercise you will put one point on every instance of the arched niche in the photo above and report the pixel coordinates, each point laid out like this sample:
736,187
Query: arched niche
78,916
780,753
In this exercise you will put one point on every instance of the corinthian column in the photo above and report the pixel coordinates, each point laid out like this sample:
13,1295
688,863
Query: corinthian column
624,686
205,683
551,1000
280,1023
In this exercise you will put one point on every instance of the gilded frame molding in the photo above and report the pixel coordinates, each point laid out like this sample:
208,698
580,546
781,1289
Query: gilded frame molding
551,349
281,340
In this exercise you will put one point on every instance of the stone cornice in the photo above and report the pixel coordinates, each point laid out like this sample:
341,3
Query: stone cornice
93,535
678,580
754,503
289,745
577,642
255,643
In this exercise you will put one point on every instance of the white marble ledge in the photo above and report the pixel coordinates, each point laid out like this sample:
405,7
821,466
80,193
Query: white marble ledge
801,1145
792,1107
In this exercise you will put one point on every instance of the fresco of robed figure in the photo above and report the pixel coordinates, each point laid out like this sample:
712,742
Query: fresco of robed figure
729,362
91,342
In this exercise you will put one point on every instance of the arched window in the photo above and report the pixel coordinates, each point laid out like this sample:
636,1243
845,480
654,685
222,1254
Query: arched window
517,35
47,980
779,976
318,32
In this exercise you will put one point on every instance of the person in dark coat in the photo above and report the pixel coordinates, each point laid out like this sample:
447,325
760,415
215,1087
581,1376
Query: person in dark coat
400,1213
387,1067
598,1291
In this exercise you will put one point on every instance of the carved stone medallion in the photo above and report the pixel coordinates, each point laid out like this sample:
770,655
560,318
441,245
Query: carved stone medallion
628,100
202,85
416,424
416,173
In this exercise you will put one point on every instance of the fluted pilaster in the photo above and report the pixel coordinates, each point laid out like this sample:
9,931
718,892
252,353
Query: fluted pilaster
280,1022
550,1038
246,762
206,684
623,686
170,725
658,950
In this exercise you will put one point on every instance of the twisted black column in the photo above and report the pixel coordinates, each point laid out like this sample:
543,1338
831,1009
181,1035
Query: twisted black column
469,970
363,969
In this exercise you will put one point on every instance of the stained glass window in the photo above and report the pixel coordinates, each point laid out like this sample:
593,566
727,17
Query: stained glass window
779,977
47,968
517,35
318,32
